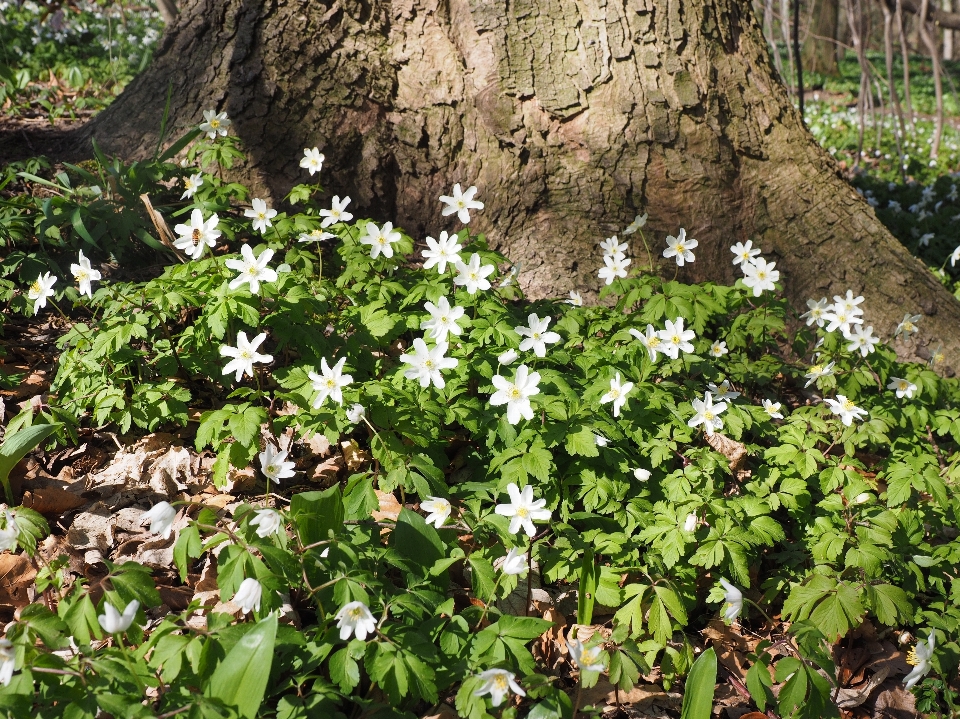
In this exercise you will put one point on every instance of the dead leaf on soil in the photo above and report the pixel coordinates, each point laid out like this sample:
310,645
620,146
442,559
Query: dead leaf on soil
604,693
353,455
389,507
16,575
52,500
732,450
895,702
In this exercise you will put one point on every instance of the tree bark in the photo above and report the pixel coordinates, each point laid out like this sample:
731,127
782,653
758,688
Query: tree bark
571,116
820,50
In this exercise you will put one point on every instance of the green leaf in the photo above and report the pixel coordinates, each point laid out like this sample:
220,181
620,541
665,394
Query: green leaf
587,594
699,688
240,680
416,540
16,446
316,514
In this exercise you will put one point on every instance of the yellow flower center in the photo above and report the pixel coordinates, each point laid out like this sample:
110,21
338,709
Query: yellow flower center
654,341
214,123
848,405
912,658
331,383
708,415
523,512
816,369
514,392
356,613
500,682
261,215
614,393
428,364
675,339
82,275
35,287
245,354
902,386
678,248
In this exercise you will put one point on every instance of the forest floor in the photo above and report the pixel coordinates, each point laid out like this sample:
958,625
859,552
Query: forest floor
98,518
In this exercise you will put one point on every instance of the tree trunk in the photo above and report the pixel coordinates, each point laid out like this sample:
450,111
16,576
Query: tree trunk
820,49
570,117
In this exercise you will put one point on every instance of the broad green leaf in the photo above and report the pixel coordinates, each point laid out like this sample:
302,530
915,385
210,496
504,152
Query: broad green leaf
240,680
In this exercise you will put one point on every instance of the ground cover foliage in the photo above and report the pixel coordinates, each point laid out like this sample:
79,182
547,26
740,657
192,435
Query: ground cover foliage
680,435
70,59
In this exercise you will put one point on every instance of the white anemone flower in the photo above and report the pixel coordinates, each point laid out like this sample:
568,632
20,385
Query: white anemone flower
903,388
920,657
441,252
356,413
253,270
840,319
638,222
84,275
863,340
641,474
508,357
707,414
380,239
617,394
439,510
772,409
817,371
723,391
816,312
355,618
587,659
651,340
676,339
244,354
472,276
733,601
460,203
160,516
330,382
515,563
612,246
191,185
690,523
274,464
113,622
537,337
846,409
426,363
443,320
40,290
575,299
267,522
680,248
523,510
315,235
848,303
498,683
198,234
214,123
261,215
8,657
908,326
744,252
336,213
9,534
248,595
613,267
516,394
759,275
955,255
718,349
312,160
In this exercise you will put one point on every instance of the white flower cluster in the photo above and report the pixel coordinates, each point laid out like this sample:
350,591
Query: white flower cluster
758,274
